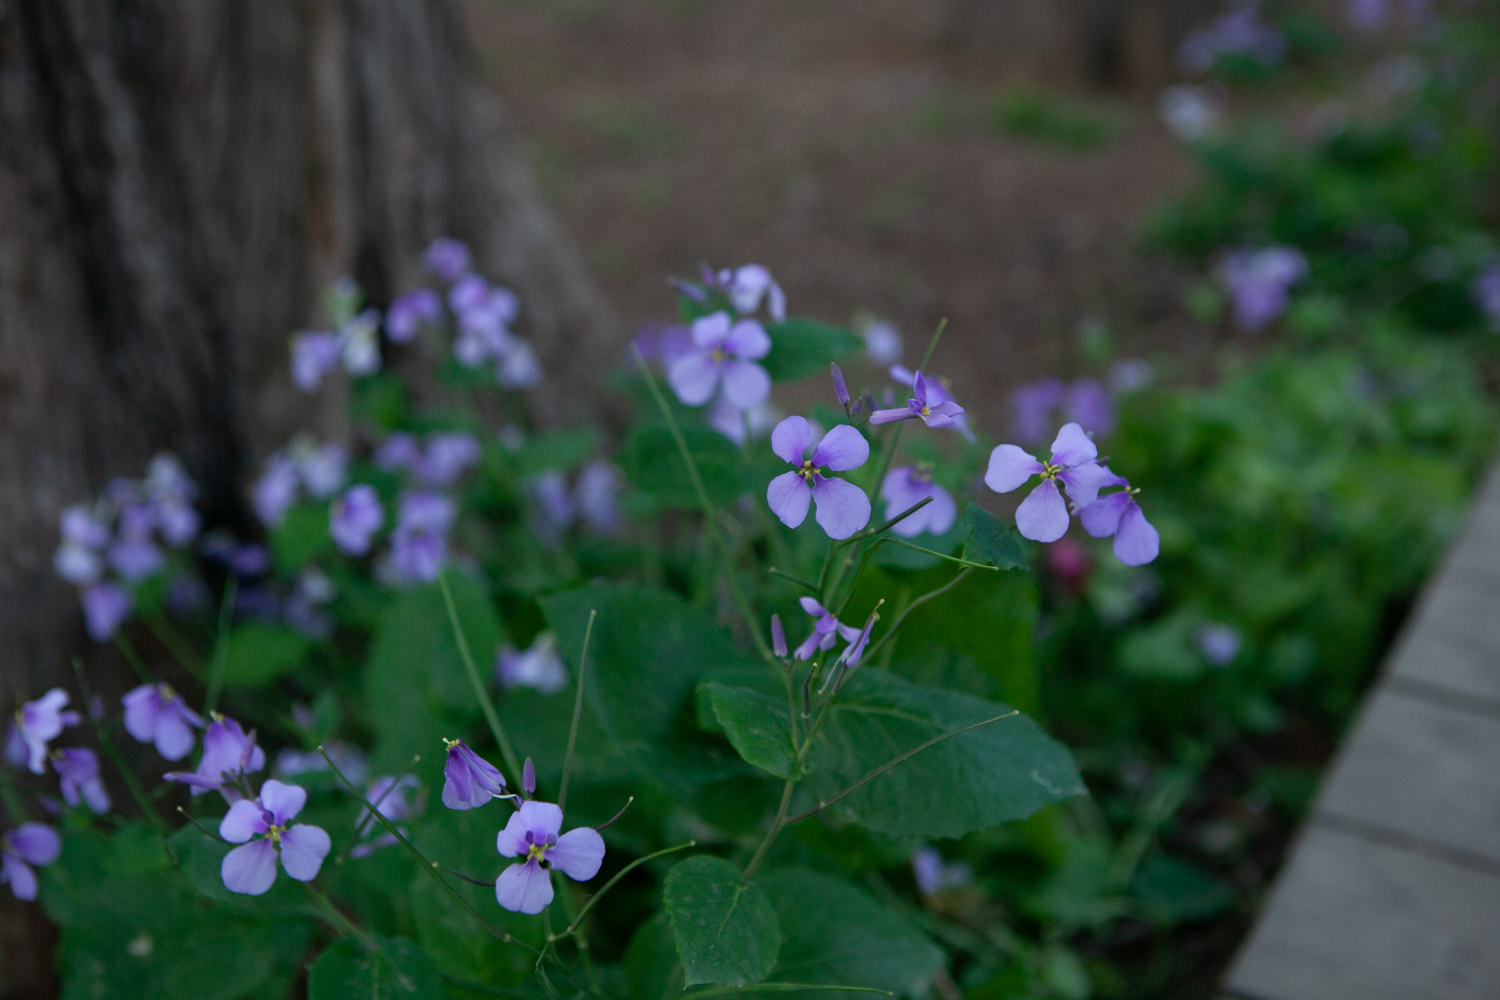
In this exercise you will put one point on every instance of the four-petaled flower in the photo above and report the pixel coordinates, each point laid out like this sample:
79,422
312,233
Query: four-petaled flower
469,781
843,507
826,630
1136,541
724,351
78,771
154,713
27,845
531,833
228,753
353,518
262,826
933,408
909,485
1043,516
41,721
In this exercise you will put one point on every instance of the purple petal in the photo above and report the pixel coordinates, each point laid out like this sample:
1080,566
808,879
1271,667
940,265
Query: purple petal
790,440
1136,541
778,637
578,854
843,507
140,712
748,340
35,842
174,738
281,800
244,820
1010,467
812,607
250,869
746,384
947,412
938,516
1073,447
1084,482
511,842
1102,517
919,388
890,416
842,449
710,331
524,888
542,819
789,498
20,876
1043,516
459,791
694,377
303,849
808,646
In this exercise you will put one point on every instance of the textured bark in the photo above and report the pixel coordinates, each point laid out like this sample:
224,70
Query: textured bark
178,179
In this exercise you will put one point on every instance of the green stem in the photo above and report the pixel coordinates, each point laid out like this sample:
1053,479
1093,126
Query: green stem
338,919
132,658
583,659
177,644
708,510
862,782
771,834
933,552
221,648
813,587
132,784
480,691
393,787
619,875
890,633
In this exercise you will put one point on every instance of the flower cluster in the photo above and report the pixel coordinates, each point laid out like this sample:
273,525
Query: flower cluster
1259,282
1240,32
441,459
353,343
305,467
593,501
1036,408
36,724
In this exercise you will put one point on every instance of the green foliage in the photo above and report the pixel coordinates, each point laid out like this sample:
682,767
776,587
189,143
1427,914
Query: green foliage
726,931
803,347
258,654
1040,117
653,464
351,970
758,726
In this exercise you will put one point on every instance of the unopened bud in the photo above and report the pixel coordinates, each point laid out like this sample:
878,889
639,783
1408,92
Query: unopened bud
839,388
528,777
778,637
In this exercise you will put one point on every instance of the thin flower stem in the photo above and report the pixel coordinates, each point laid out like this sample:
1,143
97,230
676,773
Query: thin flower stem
890,633
833,547
838,582
132,784
932,344
583,659
813,587
933,552
394,786
708,509
480,691
430,867
862,782
611,884
771,834
719,991
200,827
471,879
177,644
908,512
132,658
611,821
338,919
221,647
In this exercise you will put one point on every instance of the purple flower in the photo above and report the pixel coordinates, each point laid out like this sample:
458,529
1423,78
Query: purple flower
419,545
395,799
1034,407
1218,643
447,258
447,457
276,490
171,492
105,608
528,778
359,343
1238,32
417,308
933,874
78,770
314,355
321,467
856,648
1090,405
28,844
134,555
304,605
469,781
1118,514
80,526
83,535
551,504
843,507
664,344
154,713
724,352
1487,295
262,826
840,390
826,630
910,485
537,667
1043,516
1130,374
518,367
747,285
40,722
398,451
353,518
928,407
532,833
1259,282
882,343
228,753
597,495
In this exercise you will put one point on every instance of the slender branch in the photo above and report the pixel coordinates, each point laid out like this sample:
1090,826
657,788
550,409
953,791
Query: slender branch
132,783
934,552
133,658
175,643
221,648
771,834
862,782
338,919
393,787
794,579
471,879
901,618
908,512
619,875
480,691
583,659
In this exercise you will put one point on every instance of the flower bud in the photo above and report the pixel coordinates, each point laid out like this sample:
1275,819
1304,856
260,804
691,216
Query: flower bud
528,777
778,637
839,388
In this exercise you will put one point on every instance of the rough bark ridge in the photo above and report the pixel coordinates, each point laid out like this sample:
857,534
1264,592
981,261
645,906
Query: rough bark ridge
177,181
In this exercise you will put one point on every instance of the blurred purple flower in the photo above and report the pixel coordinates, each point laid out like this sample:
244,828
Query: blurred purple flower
321,467
28,845
1034,407
399,450
419,545
531,833
597,494
134,555
746,286
909,485
155,713
314,355
354,518
1218,643
552,505
1259,282
882,343
447,258
933,874
396,799
448,455
842,507
410,312
1487,295
537,667
276,490
78,771
40,722
105,608
1091,406
724,353
1239,32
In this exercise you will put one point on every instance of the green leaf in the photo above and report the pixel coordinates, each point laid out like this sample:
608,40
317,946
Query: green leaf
654,466
302,537
348,970
260,653
652,971
991,540
726,932
757,726
1172,890
803,347
996,774
838,934
556,449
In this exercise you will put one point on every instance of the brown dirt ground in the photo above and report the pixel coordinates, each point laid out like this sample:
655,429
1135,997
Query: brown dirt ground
842,147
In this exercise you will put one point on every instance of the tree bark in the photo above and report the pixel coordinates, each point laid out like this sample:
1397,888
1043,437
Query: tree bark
178,179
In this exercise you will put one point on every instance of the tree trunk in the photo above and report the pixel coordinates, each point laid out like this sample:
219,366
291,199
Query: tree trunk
178,179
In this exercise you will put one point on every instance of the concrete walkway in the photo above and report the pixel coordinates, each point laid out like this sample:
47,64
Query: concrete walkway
1392,891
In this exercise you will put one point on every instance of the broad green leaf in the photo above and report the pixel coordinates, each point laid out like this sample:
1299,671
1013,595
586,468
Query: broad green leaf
260,653
726,932
654,466
991,540
1172,890
803,347
348,970
757,726
1001,772
838,934
301,537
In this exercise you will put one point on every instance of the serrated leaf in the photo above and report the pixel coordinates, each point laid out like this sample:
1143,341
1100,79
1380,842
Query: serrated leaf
757,726
803,347
348,970
996,774
260,653
991,540
726,933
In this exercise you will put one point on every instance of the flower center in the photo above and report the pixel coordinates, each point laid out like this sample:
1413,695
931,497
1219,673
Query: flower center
926,410
718,356
451,744
1050,471
536,852
275,833
808,472
167,694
